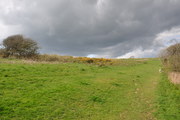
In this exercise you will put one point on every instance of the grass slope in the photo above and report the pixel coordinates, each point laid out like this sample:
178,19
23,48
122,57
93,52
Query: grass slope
168,100
78,91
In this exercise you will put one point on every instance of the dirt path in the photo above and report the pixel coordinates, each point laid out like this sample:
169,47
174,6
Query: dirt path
144,95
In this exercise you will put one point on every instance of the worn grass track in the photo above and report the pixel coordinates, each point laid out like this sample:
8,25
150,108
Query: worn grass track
78,91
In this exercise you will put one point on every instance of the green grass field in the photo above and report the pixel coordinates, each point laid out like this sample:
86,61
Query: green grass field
72,91
168,100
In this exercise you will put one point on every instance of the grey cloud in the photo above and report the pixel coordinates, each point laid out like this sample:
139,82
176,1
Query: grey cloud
104,27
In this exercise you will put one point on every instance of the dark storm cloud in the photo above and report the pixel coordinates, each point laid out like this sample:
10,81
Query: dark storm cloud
108,28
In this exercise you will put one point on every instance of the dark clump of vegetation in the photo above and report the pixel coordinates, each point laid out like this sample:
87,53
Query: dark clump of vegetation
168,100
97,99
171,57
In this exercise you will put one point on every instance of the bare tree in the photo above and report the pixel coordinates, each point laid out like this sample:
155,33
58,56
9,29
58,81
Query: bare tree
19,46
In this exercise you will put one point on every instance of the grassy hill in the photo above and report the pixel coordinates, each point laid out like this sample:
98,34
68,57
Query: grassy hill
131,91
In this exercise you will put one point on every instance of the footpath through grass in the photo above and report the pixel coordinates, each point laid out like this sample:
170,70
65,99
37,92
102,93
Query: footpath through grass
78,91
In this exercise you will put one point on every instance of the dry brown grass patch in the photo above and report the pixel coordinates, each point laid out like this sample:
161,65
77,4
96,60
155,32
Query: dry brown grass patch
174,77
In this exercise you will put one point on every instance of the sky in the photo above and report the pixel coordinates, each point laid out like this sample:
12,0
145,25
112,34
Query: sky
94,28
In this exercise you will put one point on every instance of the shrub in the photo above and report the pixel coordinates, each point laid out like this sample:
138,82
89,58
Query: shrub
96,61
171,57
54,58
1,52
18,46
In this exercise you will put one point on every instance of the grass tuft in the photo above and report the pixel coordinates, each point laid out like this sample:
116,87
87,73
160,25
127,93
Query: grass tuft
97,99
